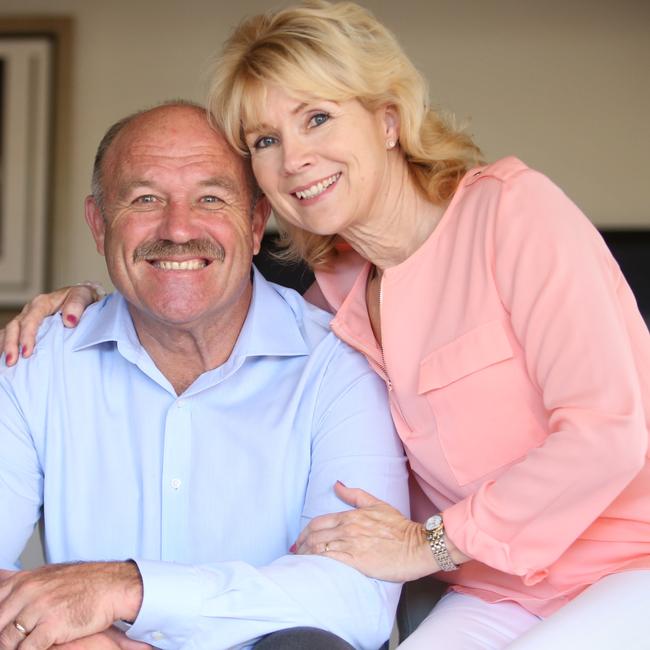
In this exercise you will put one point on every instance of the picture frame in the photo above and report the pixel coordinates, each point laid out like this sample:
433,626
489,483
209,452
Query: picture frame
34,80
25,135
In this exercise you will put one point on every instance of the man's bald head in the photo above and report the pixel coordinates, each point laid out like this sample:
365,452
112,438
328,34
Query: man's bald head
132,121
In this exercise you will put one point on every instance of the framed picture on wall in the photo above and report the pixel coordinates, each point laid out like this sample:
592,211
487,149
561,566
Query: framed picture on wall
25,137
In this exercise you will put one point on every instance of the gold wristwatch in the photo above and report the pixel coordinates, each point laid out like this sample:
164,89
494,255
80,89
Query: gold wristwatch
434,530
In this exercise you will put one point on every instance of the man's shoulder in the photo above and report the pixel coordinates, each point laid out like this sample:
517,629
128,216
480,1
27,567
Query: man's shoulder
50,336
312,322
326,350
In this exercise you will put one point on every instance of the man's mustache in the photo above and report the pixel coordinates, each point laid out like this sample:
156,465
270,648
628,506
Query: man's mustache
194,248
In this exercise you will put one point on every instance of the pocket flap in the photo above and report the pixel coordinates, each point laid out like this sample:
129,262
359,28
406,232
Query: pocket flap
479,348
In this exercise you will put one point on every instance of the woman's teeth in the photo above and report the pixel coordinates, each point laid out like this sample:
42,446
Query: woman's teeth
189,265
318,188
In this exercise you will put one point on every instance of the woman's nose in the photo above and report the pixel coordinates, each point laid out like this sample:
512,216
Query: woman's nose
297,155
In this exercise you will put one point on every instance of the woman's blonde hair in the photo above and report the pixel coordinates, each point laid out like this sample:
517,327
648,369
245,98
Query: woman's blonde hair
335,51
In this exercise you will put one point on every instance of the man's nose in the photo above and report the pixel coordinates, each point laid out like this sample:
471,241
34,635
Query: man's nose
179,223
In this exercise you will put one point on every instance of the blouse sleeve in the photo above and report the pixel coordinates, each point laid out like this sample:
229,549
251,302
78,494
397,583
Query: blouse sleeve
571,311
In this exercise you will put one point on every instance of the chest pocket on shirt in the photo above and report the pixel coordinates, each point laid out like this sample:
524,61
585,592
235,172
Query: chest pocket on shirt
480,396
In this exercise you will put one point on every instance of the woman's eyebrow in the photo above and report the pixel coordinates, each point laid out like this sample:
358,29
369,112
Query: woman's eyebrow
265,126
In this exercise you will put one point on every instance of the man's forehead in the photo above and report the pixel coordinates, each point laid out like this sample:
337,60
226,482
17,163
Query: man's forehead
179,136
180,139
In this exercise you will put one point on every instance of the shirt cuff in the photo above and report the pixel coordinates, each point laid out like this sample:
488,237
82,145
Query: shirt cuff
171,604
462,530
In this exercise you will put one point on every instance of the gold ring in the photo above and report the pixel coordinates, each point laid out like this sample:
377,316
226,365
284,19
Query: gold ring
21,628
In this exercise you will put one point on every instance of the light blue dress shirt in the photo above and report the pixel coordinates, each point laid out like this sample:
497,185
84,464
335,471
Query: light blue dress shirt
206,490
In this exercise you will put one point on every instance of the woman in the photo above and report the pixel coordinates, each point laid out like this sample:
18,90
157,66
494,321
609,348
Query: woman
517,364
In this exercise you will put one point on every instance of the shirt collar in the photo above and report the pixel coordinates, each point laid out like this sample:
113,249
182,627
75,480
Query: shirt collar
271,327
106,322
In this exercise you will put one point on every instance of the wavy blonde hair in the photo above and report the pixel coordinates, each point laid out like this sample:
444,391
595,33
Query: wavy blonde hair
335,51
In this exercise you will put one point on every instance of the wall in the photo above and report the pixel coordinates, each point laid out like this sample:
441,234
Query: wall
564,85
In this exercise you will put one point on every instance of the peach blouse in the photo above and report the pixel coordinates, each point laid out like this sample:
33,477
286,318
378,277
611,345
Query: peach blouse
518,369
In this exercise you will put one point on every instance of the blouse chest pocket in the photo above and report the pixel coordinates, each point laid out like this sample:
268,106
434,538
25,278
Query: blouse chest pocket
480,395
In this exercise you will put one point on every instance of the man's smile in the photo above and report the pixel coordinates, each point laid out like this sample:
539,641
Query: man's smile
186,265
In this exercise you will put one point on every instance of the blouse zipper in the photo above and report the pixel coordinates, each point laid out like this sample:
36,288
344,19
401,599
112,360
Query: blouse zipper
389,383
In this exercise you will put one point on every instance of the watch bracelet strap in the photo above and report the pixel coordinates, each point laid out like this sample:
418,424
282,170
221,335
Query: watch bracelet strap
436,539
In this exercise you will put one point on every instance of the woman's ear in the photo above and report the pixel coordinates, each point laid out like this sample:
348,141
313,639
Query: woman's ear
391,122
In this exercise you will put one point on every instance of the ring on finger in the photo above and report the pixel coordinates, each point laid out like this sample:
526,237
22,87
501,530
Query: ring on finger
21,628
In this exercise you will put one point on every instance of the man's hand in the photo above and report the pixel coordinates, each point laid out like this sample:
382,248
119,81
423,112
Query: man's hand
59,603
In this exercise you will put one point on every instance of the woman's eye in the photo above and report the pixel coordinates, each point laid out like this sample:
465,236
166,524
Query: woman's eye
318,119
264,142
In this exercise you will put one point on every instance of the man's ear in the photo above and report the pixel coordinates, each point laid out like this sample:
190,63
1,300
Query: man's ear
96,222
261,214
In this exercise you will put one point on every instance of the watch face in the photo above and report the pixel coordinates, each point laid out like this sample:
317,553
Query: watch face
433,522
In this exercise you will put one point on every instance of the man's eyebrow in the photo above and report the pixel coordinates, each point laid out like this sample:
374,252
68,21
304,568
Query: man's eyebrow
225,182
135,184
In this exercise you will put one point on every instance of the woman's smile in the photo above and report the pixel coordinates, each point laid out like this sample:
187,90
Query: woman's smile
317,189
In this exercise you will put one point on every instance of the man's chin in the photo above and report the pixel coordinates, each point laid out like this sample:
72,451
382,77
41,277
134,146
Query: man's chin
174,314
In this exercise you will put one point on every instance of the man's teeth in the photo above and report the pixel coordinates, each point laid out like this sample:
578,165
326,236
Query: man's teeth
189,265
318,188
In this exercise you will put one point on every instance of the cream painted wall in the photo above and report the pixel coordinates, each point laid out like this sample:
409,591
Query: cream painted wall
562,84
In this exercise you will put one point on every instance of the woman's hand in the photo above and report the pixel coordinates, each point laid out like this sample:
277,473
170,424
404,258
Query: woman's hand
375,539
19,335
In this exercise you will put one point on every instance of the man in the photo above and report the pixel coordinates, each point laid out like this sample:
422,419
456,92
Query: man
180,438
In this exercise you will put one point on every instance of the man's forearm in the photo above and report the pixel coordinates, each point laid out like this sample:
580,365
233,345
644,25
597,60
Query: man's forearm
110,639
234,603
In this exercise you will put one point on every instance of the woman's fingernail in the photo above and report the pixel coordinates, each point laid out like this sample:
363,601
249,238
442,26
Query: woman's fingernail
292,549
72,319
25,351
9,358
342,483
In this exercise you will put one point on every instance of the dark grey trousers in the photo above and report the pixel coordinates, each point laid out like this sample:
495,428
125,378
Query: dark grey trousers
302,638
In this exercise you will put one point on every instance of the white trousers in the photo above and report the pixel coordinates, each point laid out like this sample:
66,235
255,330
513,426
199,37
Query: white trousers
613,613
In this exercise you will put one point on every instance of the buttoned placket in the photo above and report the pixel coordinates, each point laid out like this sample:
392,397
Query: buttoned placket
176,461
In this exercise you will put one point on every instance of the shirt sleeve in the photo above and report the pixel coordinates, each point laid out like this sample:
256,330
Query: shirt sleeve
231,604
572,312
21,482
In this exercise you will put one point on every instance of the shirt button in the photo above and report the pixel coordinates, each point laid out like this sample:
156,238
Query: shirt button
176,483
180,403
157,636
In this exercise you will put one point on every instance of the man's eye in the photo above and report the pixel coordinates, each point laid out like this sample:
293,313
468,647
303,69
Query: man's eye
264,142
211,199
145,198
318,119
